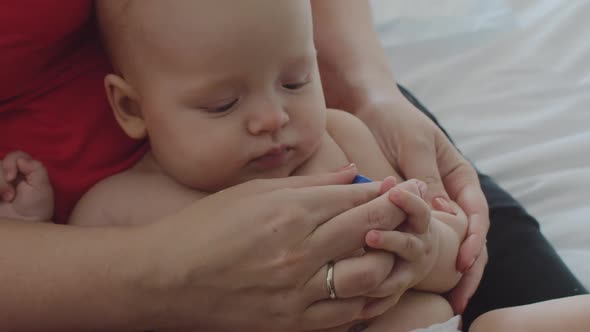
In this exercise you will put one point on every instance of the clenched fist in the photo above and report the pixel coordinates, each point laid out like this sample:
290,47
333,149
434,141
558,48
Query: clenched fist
25,190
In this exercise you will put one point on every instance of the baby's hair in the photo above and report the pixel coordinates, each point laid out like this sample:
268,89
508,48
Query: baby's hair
114,22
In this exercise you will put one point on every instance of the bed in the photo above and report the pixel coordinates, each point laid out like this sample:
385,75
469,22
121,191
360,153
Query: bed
510,81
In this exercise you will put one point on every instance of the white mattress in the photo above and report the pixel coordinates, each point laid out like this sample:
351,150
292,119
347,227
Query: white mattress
510,80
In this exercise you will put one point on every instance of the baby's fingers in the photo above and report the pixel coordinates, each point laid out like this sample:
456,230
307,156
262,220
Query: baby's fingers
406,245
414,186
33,171
6,189
9,166
415,207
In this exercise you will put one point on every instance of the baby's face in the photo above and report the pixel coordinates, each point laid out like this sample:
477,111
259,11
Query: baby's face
231,90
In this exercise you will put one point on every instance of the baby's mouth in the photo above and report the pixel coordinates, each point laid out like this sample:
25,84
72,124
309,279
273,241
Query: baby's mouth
273,158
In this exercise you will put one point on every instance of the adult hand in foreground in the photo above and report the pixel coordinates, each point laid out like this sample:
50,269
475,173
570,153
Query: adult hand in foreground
254,257
431,157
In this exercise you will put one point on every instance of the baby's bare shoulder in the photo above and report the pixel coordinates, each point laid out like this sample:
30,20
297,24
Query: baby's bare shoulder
132,197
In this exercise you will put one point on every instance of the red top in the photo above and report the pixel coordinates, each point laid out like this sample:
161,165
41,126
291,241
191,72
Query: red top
52,100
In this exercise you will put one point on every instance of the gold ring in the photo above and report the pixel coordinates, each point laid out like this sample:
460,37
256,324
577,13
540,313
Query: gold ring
330,280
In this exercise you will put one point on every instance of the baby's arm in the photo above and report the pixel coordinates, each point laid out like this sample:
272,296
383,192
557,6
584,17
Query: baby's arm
435,251
133,197
105,202
359,145
25,191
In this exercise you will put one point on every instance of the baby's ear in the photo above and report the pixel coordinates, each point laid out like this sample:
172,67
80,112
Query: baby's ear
125,105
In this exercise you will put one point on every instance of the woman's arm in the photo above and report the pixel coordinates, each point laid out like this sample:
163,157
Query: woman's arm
436,271
354,67
357,78
57,278
249,258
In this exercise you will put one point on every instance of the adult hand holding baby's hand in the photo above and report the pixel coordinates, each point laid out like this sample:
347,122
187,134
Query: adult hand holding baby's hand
419,149
254,257
412,242
25,191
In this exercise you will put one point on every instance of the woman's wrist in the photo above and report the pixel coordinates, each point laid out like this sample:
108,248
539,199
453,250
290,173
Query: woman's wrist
145,279
172,291
362,91
130,268
354,67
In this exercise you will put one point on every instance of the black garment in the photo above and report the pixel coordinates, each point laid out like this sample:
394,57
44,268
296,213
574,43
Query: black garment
523,267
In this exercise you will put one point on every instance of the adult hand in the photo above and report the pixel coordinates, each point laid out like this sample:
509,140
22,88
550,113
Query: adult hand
431,157
253,257
412,241
356,77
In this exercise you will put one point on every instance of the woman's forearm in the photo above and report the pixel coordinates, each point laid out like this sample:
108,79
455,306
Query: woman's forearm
66,278
354,67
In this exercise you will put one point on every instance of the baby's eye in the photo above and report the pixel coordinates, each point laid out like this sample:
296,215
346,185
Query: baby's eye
223,108
296,85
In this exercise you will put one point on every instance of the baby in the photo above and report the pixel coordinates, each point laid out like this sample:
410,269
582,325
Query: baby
226,92
229,91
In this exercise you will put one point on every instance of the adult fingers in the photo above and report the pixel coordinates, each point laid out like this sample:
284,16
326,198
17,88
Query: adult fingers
416,209
465,190
353,276
414,186
406,245
388,183
342,176
462,183
324,203
399,280
345,233
460,295
474,243
471,248
418,160
332,313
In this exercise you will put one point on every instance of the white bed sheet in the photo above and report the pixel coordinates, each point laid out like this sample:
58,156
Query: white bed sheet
510,81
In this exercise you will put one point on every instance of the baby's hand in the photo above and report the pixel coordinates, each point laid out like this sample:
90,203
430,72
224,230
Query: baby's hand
25,191
414,241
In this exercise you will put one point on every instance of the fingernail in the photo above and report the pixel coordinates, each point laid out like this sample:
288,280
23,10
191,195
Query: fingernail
347,167
422,187
373,238
442,204
472,263
469,266
388,183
